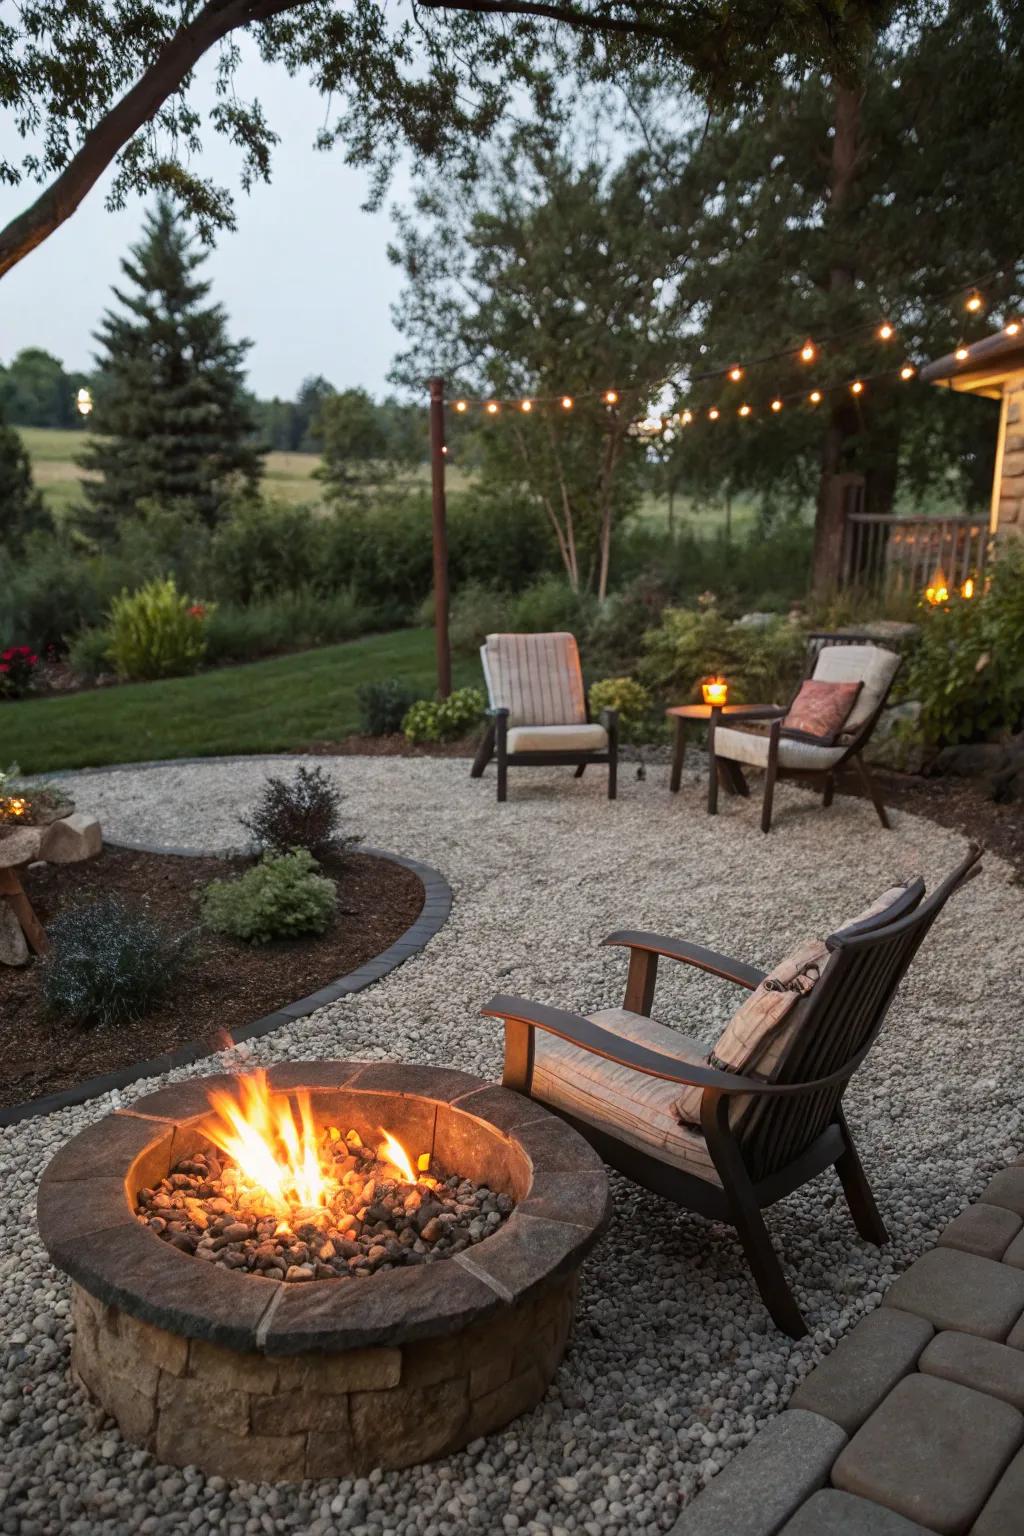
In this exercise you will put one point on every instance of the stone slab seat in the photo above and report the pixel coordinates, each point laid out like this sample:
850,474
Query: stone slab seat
638,1109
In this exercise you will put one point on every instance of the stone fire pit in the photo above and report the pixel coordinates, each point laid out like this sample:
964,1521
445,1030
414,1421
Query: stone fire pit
258,1378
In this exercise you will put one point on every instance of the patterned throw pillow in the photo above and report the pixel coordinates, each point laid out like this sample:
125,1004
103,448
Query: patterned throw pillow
821,709
754,1039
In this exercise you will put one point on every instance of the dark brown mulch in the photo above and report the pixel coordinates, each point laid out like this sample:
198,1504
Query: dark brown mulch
229,983
961,804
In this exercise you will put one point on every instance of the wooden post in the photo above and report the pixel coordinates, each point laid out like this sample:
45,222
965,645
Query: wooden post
440,524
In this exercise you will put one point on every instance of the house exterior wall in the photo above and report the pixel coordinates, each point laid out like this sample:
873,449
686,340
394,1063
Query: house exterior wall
1008,500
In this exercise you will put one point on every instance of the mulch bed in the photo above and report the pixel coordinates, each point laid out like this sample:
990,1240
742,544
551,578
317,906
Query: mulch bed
230,984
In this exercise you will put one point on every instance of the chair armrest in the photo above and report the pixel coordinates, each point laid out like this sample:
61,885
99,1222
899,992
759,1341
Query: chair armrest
494,710
604,1042
689,954
757,712
609,718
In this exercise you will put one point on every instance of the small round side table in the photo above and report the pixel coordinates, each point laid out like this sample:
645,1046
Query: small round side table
679,714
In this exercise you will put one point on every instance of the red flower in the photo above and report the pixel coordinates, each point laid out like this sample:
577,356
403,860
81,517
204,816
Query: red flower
197,611
8,654
4,667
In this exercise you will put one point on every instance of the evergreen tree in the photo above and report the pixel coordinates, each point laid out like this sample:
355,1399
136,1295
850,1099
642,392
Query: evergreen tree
176,423
21,506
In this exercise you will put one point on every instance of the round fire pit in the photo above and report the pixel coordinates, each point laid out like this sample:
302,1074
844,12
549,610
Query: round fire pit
263,1379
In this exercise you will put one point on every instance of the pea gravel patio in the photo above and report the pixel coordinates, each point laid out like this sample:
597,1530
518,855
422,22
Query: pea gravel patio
673,1366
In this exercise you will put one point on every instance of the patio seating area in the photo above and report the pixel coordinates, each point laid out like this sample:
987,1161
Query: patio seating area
674,1364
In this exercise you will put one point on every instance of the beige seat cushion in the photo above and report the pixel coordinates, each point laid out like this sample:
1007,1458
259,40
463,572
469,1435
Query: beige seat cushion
751,748
871,665
630,1105
537,678
558,738
757,1037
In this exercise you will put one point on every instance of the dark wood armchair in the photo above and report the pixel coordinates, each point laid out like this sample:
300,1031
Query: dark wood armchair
791,754
616,1075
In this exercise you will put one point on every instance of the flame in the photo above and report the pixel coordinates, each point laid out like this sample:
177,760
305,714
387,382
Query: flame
715,690
392,1151
278,1148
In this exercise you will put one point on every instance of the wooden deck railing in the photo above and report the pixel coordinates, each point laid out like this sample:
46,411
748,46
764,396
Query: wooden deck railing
892,554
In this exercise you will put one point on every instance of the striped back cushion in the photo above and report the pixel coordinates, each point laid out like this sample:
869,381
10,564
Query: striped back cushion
537,678
757,1037
871,665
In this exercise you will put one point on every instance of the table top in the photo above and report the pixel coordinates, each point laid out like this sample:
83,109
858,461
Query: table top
737,711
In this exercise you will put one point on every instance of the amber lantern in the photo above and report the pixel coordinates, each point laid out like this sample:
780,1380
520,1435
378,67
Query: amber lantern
937,590
715,690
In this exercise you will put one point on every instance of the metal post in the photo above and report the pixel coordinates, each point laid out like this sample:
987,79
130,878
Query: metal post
440,524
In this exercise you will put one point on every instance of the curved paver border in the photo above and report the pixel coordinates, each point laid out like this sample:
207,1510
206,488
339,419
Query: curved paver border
437,904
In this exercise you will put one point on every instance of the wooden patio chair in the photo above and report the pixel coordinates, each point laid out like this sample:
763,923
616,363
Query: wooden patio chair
538,709
617,1076
786,754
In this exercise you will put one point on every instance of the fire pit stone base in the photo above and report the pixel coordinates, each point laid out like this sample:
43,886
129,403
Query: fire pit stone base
243,1414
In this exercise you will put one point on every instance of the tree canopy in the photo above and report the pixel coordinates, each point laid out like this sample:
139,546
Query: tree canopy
111,82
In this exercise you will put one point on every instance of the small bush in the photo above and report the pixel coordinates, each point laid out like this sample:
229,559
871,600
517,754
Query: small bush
282,897
108,965
19,667
550,605
762,664
265,548
383,706
89,654
444,719
303,812
477,612
156,632
630,698
297,620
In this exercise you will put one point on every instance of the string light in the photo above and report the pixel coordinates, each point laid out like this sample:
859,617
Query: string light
567,402
714,413
808,352
744,410
776,404
857,387
526,406
736,373
961,354
461,405
1013,328
492,407
686,418
815,397
885,331
907,371
974,302
610,397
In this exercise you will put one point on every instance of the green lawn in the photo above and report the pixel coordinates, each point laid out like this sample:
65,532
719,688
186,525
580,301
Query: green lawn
289,701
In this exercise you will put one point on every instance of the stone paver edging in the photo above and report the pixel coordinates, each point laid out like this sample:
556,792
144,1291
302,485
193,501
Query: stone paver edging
915,1423
437,904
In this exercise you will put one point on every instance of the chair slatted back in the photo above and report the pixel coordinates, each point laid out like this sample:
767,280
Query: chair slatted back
537,678
839,1019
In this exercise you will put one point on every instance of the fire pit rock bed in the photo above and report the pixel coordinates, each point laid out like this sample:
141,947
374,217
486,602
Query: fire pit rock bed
246,1376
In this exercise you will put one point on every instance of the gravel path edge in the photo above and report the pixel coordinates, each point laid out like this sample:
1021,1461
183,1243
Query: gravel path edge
437,905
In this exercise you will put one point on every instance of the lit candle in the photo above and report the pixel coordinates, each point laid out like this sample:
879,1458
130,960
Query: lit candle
715,690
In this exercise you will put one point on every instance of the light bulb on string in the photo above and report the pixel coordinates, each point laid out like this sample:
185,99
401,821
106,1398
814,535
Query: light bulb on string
611,397
815,397
1013,328
776,404
885,331
857,387
974,302
567,402
961,354
714,413
685,418
736,373
526,406
492,407
808,352
461,406
744,410
907,371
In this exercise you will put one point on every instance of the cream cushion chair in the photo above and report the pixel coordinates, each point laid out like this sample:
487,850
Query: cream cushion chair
538,709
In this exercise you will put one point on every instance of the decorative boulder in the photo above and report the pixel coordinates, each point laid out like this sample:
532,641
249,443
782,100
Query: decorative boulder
71,840
13,946
20,846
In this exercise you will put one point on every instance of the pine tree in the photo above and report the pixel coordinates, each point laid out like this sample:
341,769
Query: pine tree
175,421
21,506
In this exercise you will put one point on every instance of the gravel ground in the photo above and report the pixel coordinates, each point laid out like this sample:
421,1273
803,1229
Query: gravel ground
673,1365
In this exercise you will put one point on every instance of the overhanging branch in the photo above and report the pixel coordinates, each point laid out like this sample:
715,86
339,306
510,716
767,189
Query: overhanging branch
567,14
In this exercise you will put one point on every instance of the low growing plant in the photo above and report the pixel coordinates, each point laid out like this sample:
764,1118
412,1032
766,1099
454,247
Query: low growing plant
444,719
108,964
281,897
383,706
89,654
156,632
19,667
632,701
762,663
302,812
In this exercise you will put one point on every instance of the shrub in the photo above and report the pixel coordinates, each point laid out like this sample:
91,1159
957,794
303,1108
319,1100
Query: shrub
156,632
763,664
303,812
89,654
383,706
290,621
630,698
51,592
444,719
551,604
477,611
967,668
265,548
109,965
19,667
281,897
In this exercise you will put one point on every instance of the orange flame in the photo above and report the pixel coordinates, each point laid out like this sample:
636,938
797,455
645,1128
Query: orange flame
392,1151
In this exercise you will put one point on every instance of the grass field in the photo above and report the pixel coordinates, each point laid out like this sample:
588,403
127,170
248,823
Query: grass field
268,706
291,477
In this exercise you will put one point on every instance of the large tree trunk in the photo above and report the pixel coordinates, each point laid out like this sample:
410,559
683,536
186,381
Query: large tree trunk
828,525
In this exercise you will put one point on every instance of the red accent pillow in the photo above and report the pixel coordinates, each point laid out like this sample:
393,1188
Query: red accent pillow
821,709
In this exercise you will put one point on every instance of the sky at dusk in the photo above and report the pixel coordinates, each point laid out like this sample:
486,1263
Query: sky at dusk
305,276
